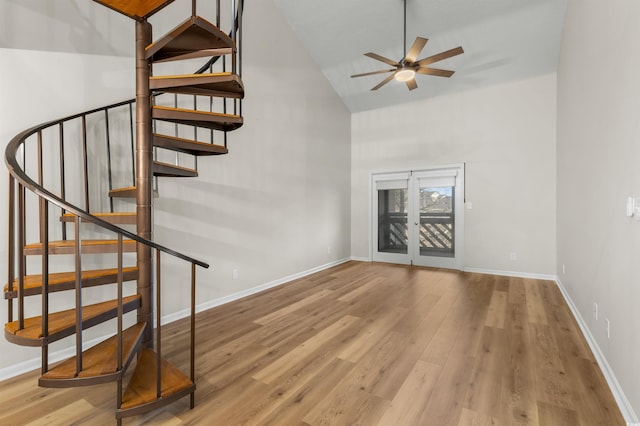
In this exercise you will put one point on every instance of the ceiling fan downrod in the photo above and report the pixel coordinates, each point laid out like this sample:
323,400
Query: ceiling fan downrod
404,46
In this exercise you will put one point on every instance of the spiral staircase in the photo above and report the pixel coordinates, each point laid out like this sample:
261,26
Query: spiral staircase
66,219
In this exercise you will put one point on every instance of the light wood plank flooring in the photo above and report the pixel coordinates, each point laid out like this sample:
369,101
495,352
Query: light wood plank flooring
367,344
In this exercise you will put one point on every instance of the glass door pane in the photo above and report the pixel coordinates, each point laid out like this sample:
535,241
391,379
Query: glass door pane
393,230
417,218
437,221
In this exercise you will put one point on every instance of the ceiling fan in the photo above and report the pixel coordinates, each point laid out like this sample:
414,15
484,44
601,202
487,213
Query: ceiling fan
406,69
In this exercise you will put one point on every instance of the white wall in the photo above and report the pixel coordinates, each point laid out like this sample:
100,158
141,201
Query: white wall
505,135
276,206
37,87
598,152
278,203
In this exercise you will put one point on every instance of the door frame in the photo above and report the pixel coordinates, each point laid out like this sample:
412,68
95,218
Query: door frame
412,257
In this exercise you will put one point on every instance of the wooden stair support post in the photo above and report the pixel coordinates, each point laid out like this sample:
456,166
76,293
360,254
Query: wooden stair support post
144,178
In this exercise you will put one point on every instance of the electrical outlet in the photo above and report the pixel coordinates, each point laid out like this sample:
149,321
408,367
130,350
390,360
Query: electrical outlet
607,325
595,311
234,274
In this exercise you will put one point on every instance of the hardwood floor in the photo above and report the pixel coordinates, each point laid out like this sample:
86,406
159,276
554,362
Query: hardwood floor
368,344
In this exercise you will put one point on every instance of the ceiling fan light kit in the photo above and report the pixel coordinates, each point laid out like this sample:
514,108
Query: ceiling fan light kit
406,69
405,74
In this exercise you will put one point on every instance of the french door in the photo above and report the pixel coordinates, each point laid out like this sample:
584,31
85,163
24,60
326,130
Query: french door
418,217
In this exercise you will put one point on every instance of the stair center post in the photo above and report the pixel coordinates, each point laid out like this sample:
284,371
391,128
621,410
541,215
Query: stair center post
144,178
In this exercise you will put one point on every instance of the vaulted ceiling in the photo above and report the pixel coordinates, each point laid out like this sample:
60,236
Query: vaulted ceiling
504,40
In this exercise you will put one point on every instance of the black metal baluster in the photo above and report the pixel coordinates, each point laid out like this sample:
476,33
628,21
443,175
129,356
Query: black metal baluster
193,330
106,118
133,148
11,244
63,191
85,159
44,239
158,328
78,265
22,262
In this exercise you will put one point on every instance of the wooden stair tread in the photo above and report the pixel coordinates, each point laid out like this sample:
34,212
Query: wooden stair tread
63,323
127,192
120,218
99,363
61,281
206,119
135,9
87,246
224,84
196,37
140,395
188,146
171,170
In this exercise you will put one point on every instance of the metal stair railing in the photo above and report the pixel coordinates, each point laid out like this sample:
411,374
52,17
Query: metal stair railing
47,196
19,182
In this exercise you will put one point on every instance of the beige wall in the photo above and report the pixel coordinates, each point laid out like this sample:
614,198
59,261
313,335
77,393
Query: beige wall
505,135
598,158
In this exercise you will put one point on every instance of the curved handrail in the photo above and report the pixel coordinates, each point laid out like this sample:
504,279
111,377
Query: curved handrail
19,174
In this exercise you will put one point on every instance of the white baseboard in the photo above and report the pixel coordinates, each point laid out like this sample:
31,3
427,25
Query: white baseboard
360,259
34,363
623,403
511,273
239,295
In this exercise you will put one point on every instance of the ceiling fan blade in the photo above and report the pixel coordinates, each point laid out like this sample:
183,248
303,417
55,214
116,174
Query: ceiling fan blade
411,84
382,59
372,73
383,82
415,49
435,71
440,56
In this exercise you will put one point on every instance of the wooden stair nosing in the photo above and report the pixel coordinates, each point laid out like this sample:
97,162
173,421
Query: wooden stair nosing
63,324
137,10
171,170
117,218
127,192
87,247
195,35
188,146
225,84
100,362
61,281
206,119
140,395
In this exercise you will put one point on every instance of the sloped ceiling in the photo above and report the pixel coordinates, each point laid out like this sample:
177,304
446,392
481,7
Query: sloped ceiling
503,40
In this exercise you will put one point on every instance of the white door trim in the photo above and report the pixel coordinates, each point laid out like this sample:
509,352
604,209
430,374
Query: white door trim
456,262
